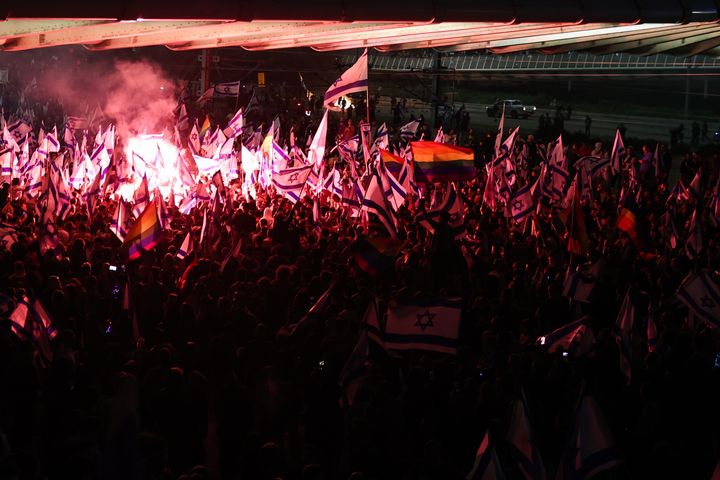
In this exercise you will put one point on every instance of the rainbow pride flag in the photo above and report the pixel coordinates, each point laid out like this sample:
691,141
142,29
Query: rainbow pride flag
392,162
205,126
439,162
145,232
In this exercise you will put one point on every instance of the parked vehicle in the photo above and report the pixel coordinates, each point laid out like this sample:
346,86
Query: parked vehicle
513,109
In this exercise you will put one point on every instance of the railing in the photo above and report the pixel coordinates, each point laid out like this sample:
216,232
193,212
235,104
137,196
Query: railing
536,62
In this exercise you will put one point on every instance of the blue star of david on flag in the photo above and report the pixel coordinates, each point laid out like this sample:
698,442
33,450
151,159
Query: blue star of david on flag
426,323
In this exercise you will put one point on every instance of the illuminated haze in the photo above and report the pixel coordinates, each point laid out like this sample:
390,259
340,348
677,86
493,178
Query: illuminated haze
129,92
135,98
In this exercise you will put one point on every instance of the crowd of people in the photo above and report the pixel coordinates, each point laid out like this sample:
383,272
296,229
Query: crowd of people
231,361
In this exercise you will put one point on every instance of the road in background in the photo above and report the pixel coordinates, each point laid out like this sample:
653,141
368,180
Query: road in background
603,124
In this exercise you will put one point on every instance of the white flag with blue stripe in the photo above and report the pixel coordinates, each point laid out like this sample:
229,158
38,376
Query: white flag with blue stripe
235,125
206,166
702,297
290,182
618,152
394,190
432,325
376,202
487,464
185,248
354,79
229,89
522,204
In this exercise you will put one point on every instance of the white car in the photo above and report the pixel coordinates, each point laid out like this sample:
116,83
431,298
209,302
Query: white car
513,109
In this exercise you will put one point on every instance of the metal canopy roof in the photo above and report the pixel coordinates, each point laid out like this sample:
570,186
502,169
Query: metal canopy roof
644,27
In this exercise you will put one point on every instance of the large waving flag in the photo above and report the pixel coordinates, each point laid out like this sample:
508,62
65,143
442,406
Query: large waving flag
145,232
522,204
523,447
235,125
141,197
290,182
702,297
19,130
121,218
214,141
228,89
227,160
432,325
183,120
194,140
591,449
31,322
393,163
623,331
438,162
451,205
394,191
206,166
354,79
381,139
184,172
375,202
592,165
618,152
694,243
185,248
695,187
487,464
408,131
279,159
205,127
9,140
316,151
7,159
52,144
575,337
101,158
559,178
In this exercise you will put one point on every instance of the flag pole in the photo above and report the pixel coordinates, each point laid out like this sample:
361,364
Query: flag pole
367,104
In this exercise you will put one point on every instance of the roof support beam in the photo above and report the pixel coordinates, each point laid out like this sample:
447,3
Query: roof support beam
482,40
341,32
633,44
697,48
94,33
604,40
573,39
209,33
19,28
678,43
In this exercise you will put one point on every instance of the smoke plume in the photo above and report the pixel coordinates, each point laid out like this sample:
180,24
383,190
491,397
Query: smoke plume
137,96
